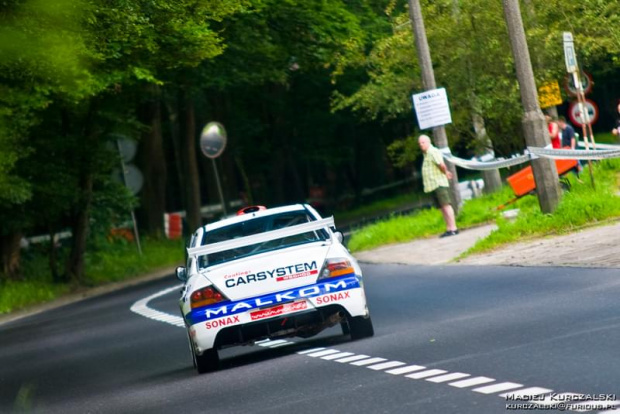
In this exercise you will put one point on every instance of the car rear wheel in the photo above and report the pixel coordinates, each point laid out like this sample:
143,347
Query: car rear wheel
207,362
360,327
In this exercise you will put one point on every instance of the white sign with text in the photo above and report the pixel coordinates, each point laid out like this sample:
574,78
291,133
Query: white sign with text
432,108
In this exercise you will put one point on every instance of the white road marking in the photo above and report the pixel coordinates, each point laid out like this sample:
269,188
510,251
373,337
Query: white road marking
272,344
336,356
283,343
141,308
404,370
492,389
441,376
352,358
471,382
307,351
323,353
386,365
367,362
426,374
448,377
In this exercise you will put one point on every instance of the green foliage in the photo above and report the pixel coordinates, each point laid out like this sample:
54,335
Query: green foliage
376,208
397,230
114,261
120,260
15,295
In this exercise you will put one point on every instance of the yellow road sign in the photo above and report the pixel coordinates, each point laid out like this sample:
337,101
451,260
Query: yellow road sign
549,94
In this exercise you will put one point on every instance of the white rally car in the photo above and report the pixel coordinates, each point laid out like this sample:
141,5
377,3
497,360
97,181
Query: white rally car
267,274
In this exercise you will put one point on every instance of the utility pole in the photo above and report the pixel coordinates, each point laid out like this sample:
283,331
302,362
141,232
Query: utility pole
534,125
428,82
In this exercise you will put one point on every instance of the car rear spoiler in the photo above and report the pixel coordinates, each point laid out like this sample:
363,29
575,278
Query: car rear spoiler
262,237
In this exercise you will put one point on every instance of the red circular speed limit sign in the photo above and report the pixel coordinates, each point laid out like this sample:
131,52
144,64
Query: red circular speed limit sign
577,117
586,84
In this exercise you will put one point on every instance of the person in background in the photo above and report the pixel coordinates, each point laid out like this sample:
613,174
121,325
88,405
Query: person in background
554,131
435,176
569,141
616,130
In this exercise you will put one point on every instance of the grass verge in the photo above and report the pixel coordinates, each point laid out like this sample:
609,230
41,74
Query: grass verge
581,206
112,262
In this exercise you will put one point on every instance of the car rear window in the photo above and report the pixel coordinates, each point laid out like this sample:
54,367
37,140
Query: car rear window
256,226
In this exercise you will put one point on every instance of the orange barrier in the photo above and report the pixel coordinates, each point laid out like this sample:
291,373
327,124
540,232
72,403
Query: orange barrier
522,182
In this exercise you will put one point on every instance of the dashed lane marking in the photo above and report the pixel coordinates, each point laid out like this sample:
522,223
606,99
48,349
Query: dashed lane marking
426,374
455,379
448,377
492,389
307,351
336,356
386,365
471,382
405,370
367,362
352,358
323,353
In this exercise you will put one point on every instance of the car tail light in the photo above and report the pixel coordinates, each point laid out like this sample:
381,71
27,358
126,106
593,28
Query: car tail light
205,296
336,267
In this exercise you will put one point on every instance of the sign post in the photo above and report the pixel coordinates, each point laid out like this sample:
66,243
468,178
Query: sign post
570,58
212,144
131,177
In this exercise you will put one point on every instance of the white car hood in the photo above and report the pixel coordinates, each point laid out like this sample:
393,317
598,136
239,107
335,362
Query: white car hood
269,272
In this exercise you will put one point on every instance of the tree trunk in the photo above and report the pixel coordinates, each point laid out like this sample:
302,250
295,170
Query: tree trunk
492,178
10,255
79,229
152,162
189,162
80,220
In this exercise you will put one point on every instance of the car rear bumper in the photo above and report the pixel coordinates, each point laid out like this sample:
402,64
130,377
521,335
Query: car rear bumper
298,312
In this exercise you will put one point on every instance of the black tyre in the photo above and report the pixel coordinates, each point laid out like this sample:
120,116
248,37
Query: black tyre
345,327
207,362
360,327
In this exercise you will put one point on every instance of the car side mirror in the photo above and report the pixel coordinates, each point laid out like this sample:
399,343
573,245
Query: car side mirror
339,236
181,273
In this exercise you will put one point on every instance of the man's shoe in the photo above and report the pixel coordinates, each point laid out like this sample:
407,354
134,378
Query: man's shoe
449,233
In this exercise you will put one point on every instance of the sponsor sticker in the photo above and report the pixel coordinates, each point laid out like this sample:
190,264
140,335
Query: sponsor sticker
279,310
296,275
219,323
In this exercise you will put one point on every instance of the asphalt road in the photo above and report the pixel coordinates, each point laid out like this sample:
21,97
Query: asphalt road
478,332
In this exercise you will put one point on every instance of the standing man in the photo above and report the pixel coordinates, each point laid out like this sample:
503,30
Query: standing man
567,134
569,141
435,177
